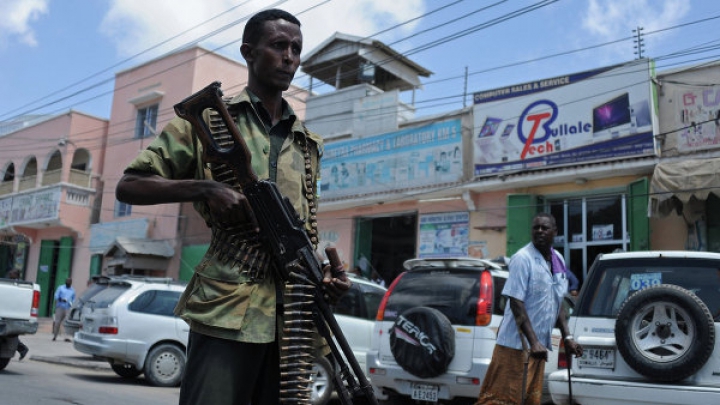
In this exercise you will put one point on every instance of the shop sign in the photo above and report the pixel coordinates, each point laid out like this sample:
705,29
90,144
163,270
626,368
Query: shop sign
411,158
589,116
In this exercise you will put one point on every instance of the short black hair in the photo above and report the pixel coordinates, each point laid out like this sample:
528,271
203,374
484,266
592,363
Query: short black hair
255,25
548,216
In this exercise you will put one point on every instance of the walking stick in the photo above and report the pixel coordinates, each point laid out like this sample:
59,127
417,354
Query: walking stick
569,366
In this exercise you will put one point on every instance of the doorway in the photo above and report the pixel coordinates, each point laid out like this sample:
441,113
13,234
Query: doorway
589,226
382,244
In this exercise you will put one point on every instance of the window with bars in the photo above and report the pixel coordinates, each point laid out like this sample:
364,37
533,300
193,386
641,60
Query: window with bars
146,121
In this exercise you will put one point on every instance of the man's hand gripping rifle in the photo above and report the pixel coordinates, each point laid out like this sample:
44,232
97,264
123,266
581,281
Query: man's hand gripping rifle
281,228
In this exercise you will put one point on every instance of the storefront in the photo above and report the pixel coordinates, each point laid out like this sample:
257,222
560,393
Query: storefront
689,189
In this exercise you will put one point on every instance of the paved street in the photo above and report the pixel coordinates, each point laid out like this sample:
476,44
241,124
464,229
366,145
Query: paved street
44,349
54,373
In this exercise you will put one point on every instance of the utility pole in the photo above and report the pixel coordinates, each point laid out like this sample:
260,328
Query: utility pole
639,42
465,87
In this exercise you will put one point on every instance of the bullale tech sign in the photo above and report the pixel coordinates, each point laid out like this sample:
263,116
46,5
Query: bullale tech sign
595,115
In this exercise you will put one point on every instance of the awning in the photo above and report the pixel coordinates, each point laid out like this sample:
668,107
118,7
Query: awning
681,185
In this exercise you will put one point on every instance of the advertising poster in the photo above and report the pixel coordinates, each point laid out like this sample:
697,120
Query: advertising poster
594,115
444,234
698,113
410,158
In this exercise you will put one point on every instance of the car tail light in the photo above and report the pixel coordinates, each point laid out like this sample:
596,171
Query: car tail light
485,300
381,309
35,304
108,330
562,359
108,326
378,371
467,380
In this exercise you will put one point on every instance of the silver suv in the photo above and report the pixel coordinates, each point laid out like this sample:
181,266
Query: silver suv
130,323
648,322
435,330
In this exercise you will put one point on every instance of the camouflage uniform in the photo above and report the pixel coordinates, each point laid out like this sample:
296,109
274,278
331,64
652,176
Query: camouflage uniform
221,299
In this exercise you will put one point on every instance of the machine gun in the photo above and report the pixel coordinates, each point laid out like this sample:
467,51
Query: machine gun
283,230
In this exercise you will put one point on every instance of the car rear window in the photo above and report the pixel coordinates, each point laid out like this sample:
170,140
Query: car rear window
91,291
610,282
106,297
453,292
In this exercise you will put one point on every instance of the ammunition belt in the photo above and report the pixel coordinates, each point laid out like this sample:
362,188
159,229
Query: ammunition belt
239,245
297,350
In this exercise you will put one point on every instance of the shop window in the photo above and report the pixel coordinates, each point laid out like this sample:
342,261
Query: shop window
604,222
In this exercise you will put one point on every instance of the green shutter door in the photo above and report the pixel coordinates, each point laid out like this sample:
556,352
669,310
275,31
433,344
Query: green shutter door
638,221
64,261
521,208
189,259
44,276
95,265
5,260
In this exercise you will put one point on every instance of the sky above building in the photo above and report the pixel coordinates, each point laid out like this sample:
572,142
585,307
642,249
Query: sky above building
63,54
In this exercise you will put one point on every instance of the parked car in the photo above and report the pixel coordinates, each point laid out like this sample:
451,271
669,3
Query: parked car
648,322
355,313
72,321
125,319
131,324
436,330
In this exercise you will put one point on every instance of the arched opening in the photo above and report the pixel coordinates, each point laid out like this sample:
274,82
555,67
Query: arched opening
29,175
8,182
81,168
53,172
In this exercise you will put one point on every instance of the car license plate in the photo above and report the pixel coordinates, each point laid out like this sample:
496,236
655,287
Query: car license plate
424,392
597,358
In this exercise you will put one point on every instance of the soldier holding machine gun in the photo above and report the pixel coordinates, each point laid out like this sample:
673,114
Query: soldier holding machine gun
236,299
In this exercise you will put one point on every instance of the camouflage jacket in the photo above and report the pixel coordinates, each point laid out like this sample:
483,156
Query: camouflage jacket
221,300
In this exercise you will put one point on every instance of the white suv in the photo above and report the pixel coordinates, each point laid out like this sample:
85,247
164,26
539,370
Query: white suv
131,324
648,322
436,330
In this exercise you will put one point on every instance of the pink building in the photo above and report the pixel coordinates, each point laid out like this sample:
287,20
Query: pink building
49,196
59,216
156,240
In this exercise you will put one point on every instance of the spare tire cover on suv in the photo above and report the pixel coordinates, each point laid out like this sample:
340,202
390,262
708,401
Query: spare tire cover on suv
423,342
665,332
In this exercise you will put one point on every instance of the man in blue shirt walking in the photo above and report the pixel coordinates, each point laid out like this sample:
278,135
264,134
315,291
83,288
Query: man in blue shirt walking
535,288
64,297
